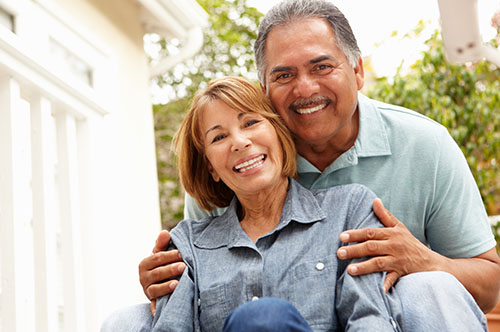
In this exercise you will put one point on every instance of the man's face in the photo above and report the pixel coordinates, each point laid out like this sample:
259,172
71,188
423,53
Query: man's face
310,82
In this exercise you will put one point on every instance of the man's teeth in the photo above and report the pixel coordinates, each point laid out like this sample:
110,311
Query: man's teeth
310,110
249,164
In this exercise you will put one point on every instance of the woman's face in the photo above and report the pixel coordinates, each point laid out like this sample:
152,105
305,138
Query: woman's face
243,149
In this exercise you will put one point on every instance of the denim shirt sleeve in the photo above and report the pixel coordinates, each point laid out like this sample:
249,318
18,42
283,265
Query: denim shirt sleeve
174,312
361,303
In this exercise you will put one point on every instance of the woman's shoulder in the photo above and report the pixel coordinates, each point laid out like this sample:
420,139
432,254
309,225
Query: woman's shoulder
190,229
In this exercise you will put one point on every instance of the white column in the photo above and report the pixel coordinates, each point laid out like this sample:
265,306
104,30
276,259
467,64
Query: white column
68,187
44,222
16,233
87,220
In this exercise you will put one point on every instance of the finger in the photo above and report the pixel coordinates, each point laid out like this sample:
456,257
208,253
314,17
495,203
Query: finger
365,249
390,280
162,242
152,307
159,259
159,274
364,234
375,264
383,214
157,290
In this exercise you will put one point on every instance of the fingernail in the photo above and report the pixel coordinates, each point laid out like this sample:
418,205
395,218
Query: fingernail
342,253
353,269
172,285
181,267
344,237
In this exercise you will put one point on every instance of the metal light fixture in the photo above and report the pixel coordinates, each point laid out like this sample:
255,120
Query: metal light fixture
461,36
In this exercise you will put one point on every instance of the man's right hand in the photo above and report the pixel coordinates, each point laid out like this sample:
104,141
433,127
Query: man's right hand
160,266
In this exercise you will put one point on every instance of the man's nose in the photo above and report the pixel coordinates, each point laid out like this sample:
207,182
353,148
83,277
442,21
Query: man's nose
305,86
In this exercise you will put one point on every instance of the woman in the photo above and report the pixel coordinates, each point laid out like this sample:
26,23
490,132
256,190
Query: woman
276,241
277,238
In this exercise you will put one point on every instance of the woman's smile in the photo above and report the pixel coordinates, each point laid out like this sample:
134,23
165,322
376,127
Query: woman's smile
250,164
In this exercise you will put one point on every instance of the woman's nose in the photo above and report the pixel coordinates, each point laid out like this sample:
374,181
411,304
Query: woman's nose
240,142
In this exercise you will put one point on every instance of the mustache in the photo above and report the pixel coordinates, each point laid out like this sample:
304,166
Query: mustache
301,103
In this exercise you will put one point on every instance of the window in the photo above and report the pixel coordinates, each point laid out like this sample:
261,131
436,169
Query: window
71,63
6,19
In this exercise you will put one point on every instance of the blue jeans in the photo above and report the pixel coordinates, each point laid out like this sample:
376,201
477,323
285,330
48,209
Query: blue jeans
426,301
266,315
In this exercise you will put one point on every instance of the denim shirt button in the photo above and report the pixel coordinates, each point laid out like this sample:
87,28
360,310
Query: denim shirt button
320,266
394,324
255,298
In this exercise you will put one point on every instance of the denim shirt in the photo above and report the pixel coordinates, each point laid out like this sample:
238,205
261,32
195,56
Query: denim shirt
296,262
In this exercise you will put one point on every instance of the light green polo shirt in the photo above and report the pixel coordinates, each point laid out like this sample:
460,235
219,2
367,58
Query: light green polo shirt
416,168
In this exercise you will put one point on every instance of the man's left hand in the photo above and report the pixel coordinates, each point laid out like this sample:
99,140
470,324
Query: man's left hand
394,248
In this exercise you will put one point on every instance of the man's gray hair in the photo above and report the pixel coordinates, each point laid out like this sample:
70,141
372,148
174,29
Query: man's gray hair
288,11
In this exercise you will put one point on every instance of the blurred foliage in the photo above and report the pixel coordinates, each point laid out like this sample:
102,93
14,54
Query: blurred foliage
227,50
465,99
496,231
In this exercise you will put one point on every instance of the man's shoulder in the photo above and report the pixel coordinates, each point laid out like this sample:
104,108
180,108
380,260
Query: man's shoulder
403,124
351,191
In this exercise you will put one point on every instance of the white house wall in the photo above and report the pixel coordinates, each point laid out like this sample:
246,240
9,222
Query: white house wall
78,199
125,194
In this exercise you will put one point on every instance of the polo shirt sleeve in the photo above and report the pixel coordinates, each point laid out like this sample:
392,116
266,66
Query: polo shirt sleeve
193,211
457,224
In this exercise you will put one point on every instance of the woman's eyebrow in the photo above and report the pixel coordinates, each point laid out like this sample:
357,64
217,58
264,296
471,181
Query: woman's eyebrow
213,128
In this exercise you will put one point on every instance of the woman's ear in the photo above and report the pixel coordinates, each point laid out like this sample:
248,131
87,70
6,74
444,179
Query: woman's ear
212,172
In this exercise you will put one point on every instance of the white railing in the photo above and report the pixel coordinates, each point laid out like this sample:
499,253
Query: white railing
46,250
40,214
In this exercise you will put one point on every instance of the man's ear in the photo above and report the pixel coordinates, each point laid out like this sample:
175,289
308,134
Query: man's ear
212,172
263,88
360,74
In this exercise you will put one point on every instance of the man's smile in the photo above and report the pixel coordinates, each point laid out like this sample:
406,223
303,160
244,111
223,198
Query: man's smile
309,106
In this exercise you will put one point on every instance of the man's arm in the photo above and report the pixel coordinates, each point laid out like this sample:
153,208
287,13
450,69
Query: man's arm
158,267
399,253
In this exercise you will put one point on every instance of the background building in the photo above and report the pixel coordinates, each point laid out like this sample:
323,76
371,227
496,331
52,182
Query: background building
78,181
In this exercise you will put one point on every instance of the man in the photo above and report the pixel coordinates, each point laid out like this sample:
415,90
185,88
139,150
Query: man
311,69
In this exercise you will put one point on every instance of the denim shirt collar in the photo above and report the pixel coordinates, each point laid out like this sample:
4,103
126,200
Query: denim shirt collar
300,206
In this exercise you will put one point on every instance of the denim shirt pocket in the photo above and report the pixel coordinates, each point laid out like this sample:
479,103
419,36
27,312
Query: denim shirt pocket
312,290
214,308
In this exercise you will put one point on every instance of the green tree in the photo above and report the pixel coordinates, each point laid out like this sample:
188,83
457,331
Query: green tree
227,50
465,99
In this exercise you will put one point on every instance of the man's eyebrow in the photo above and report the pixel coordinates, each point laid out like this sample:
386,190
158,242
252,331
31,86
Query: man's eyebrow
321,58
279,69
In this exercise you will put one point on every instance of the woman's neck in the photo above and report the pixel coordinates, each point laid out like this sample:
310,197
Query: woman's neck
261,213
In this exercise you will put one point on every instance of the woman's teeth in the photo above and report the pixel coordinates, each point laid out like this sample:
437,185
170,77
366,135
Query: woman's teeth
249,164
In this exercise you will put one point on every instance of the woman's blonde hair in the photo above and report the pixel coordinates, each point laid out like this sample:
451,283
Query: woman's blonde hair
242,96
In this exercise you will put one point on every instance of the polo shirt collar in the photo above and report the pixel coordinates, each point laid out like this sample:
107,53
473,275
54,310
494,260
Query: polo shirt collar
373,139
300,206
